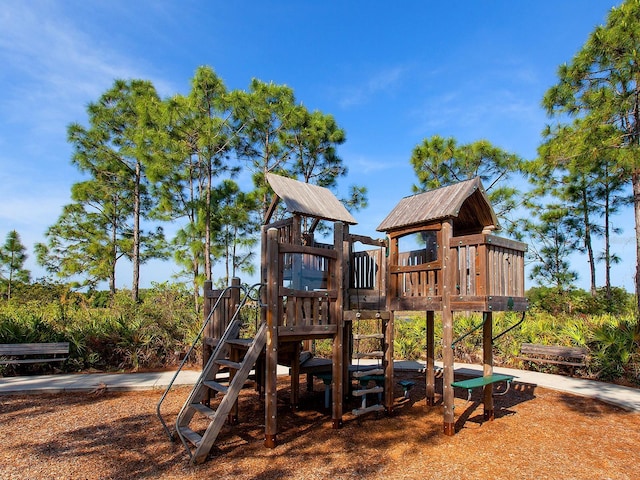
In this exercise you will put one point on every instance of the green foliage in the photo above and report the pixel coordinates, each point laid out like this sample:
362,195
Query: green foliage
123,335
615,350
409,342
576,301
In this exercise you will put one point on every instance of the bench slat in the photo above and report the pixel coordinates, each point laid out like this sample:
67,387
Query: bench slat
534,349
18,361
549,360
34,352
34,348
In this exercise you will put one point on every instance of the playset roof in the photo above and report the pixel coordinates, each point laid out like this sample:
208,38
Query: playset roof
309,200
466,202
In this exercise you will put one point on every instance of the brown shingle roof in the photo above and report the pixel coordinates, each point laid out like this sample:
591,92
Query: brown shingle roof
309,200
466,202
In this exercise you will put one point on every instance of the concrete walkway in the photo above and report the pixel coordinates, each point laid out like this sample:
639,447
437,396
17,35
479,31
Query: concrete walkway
625,397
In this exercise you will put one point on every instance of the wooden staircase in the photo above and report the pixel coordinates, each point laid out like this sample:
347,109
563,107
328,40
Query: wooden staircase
199,444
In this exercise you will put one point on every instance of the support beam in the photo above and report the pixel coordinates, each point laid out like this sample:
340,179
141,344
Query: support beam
234,304
340,231
487,360
431,373
448,271
388,363
271,361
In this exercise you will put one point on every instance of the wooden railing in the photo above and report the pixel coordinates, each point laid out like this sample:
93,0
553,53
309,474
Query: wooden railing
488,265
306,292
488,273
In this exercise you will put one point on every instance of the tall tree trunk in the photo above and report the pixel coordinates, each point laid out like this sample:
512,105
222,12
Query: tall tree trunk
587,241
114,259
635,181
196,290
607,247
135,255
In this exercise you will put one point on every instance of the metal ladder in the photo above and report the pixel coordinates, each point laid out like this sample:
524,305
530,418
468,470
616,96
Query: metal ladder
364,376
198,445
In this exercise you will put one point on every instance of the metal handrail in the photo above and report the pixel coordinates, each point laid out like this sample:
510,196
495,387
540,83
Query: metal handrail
247,296
462,337
493,339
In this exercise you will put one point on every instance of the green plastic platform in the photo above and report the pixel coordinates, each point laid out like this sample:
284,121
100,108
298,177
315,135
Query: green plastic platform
482,381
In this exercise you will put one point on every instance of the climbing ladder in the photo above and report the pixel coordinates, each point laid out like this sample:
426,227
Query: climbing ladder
366,375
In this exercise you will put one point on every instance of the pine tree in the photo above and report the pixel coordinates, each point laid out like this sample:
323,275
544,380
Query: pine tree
12,258
600,89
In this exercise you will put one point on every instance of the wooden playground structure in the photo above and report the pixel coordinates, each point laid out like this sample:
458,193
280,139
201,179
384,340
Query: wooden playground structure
438,254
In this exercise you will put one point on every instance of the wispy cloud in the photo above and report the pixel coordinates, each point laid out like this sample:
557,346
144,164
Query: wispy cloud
51,67
382,81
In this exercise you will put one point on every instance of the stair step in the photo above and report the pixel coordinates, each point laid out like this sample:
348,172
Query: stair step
241,342
358,336
229,364
193,437
364,391
365,373
203,409
369,355
218,387
372,408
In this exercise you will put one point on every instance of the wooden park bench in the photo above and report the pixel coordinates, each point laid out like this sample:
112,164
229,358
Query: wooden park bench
20,353
555,355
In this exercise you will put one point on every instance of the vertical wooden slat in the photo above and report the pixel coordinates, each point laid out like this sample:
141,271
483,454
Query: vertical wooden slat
461,282
481,270
472,278
305,319
315,315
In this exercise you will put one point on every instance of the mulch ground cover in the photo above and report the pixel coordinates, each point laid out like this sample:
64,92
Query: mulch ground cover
537,434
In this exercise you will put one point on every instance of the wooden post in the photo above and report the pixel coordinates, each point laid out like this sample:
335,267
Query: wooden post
448,279
271,360
235,356
431,373
347,332
388,363
336,281
391,292
487,355
207,349
295,377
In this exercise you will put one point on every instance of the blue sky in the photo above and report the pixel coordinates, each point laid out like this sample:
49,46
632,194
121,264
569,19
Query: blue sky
391,73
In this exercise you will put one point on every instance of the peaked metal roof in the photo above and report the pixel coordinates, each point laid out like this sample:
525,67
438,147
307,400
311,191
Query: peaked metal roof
466,201
309,200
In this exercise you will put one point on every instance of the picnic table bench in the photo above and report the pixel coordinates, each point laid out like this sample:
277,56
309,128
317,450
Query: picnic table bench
476,382
569,356
21,353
